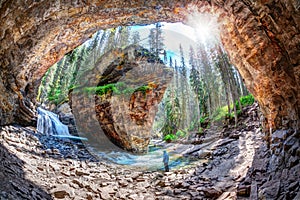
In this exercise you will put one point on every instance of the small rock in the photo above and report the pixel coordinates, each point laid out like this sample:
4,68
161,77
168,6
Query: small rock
212,192
89,196
123,183
81,173
66,173
91,188
54,166
62,191
244,190
108,189
77,182
133,196
56,151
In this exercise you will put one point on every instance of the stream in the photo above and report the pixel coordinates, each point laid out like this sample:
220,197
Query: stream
152,160
49,124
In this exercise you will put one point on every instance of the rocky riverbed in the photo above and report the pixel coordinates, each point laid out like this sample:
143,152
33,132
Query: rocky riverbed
35,166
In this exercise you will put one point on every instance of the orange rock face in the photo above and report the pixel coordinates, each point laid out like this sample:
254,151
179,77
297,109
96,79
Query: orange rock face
125,112
262,39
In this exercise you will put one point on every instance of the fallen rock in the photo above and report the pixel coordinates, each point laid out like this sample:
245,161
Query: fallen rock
211,192
62,191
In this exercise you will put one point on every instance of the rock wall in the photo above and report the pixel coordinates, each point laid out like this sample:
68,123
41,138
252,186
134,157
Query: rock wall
261,37
274,173
123,113
263,42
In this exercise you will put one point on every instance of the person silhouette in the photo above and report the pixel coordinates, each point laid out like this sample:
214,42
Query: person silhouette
166,160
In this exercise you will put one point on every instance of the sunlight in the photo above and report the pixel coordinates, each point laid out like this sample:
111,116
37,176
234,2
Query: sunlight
206,27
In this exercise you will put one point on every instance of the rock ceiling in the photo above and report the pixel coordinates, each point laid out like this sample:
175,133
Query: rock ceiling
262,38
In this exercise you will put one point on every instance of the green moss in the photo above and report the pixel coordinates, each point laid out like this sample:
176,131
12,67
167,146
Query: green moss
117,88
57,97
143,88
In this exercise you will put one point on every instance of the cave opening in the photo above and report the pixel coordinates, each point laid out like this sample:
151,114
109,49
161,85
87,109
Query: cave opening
144,88
261,39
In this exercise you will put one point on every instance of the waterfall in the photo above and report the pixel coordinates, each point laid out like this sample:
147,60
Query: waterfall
48,123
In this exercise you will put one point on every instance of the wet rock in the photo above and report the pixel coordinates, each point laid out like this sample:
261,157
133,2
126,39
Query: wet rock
220,151
21,188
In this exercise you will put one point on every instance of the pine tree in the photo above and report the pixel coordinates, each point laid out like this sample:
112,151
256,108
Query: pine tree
183,89
172,114
136,38
170,62
123,36
156,40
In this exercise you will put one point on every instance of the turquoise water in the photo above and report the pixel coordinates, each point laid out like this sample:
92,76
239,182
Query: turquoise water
151,161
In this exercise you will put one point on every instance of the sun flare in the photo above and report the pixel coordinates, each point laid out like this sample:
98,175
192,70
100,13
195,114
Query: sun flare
206,27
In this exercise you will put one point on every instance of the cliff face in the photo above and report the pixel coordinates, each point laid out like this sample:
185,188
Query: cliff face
127,86
261,37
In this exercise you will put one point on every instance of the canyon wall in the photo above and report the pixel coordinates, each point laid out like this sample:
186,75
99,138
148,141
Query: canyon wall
261,37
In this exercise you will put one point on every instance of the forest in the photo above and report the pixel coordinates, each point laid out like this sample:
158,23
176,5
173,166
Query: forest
205,88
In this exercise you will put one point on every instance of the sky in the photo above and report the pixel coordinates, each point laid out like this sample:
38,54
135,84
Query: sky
174,35
199,27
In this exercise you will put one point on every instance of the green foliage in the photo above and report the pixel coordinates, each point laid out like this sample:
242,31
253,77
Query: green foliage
200,130
170,137
193,125
143,88
203,119
72,87
222,112
172,115
101,90
117,88
181,134
245,101
57,97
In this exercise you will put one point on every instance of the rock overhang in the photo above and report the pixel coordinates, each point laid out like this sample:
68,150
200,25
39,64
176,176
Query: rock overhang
261,38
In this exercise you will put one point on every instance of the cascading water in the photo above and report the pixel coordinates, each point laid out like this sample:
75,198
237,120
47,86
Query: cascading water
48,123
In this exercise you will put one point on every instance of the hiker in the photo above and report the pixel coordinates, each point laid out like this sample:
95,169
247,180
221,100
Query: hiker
166,160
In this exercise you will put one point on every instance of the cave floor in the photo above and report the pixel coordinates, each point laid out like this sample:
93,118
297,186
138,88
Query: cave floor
32,168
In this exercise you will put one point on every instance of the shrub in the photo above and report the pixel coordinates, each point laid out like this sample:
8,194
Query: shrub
245,101
170,137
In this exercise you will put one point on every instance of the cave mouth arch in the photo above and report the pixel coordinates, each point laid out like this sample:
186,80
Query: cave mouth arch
261,38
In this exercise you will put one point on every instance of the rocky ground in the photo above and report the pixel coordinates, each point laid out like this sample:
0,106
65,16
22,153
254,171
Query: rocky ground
34,166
